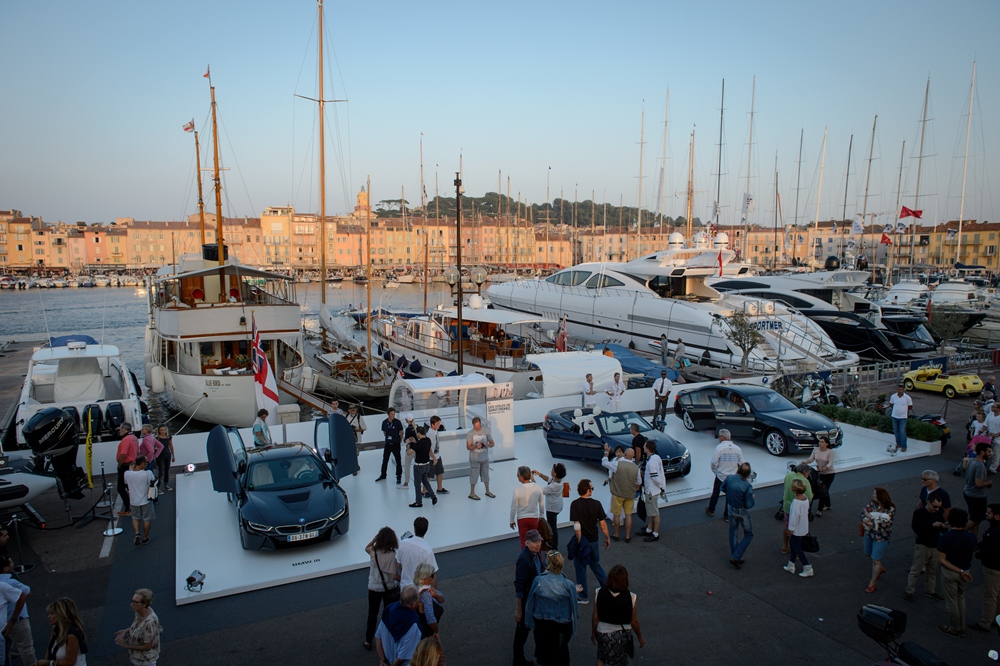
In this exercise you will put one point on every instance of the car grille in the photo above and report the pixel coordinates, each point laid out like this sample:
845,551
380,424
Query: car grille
296,529
832,435
673,462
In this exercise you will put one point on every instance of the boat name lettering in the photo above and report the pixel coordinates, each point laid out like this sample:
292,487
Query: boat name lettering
767,325
213,382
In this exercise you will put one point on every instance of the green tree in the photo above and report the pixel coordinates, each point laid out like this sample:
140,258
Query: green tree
742,332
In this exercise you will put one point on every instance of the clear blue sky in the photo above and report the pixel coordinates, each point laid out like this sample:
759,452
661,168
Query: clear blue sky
95,94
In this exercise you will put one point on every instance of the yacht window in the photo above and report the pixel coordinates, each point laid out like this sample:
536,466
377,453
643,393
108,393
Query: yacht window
603,281
577,278
739,284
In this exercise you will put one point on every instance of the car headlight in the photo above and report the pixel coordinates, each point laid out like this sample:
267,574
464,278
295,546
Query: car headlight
260,528
800,434
337,516
687,454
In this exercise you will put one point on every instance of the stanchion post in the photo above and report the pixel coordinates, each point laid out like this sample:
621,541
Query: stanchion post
21,568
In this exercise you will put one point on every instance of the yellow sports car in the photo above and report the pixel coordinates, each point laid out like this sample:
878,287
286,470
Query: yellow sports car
930,378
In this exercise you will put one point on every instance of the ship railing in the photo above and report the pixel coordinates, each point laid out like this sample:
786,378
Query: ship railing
506,354
581,290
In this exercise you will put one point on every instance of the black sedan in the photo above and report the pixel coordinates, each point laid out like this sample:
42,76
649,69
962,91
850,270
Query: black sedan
286,494
755,413
578,434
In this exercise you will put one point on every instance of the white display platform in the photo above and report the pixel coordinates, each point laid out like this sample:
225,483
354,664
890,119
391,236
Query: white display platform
208,540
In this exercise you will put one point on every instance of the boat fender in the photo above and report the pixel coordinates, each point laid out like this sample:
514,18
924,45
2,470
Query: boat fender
401,361
149,374
381,349
453,373
438,334
156,379
415,367
387,355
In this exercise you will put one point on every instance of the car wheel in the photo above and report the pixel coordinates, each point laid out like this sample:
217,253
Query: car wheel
908,384
688,423
776,443
950,391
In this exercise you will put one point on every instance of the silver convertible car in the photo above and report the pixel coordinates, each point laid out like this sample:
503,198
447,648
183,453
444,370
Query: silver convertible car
287,494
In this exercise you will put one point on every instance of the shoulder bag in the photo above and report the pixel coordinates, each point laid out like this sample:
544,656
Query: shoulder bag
810,544
390,596
151,492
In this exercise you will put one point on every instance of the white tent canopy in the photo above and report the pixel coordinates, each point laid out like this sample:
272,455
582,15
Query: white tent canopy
563,373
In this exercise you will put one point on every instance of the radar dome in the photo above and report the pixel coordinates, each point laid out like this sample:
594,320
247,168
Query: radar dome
701,239
722,241
476,302
675,240
832,263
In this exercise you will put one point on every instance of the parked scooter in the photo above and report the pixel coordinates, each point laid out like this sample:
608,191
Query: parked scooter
885,626
818,391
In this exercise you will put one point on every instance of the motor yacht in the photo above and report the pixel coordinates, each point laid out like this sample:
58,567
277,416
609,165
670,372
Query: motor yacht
199,337
88,380
667,293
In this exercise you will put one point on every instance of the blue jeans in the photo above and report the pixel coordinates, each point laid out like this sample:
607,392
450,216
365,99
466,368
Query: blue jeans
595,565
795,544
737,517
899,430
421,476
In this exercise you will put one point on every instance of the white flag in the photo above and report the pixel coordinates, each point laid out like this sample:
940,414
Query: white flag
888,228
900,227
857,227
747,207
851,245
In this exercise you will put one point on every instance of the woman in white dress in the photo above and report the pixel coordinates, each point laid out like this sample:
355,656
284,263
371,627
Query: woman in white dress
68,643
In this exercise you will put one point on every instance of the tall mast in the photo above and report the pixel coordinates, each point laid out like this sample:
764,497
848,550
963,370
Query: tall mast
509,243
368,272
920,159
201,201
437,214
322,171
822,165
663,167
458,262
548,202
402,203
965,165
899,192
517,232
864,205
746,191
774,257
718,179
423,207
593,225
690,190
847,179
219,239
638,226
795,218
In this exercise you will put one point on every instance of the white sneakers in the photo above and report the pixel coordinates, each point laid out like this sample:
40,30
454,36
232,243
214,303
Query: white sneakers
807,570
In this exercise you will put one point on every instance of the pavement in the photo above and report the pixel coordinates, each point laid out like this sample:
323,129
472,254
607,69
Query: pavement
693,606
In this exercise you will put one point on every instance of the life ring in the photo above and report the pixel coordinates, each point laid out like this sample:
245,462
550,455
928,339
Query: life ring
438,334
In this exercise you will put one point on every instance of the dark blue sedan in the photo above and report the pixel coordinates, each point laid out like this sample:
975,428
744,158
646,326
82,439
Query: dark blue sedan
578,434
755,413
288,494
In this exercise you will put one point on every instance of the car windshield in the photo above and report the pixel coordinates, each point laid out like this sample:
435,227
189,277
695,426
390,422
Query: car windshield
769,402
284,473
619,424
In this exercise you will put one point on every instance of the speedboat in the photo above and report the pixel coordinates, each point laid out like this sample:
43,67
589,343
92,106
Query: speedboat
88,380
101,281
666,293
199,337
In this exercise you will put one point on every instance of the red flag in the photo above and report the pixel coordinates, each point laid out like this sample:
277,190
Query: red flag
886,240
266,389
189,127
720,263
906,212
208,73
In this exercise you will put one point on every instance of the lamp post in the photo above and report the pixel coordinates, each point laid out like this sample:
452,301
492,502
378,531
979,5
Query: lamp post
458,262
478,275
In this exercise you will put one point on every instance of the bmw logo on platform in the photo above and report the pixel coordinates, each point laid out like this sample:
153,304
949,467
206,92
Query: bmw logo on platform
302,520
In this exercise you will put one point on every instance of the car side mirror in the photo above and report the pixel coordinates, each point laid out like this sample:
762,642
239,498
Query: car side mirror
743,411
241,467
328,455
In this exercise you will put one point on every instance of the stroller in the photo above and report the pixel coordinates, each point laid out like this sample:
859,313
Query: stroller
819,492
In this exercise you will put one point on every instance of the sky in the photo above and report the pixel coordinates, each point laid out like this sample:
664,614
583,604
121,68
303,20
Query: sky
550,95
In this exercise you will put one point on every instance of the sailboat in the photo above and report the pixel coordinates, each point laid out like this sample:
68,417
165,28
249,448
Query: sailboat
349,370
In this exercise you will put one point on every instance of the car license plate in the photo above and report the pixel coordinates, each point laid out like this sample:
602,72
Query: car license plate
303,536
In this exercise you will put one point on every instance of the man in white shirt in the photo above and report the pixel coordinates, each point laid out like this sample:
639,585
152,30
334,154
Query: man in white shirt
653,487
993,430
589,392
139,479
615,391
10,598
414,551
18,630
726,461
527,505
661,393
902,405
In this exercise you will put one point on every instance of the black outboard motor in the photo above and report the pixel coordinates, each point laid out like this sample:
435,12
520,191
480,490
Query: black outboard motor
114,416
52,434
92,413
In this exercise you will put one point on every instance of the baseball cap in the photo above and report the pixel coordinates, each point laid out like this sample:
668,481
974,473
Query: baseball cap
533,535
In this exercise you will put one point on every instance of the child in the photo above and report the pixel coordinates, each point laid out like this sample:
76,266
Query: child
798,527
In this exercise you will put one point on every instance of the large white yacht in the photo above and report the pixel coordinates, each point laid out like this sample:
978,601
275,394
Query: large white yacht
666,293
200,334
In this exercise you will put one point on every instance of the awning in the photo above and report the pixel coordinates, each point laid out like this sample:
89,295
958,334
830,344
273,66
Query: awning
563,373
434,384
229,269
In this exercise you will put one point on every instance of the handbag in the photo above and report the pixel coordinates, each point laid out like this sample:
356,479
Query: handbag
861,529
391,596
810,544
152,491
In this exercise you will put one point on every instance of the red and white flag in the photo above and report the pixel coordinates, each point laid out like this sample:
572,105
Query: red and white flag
720,263
907,212
189,127
208,72
265,387
886,240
